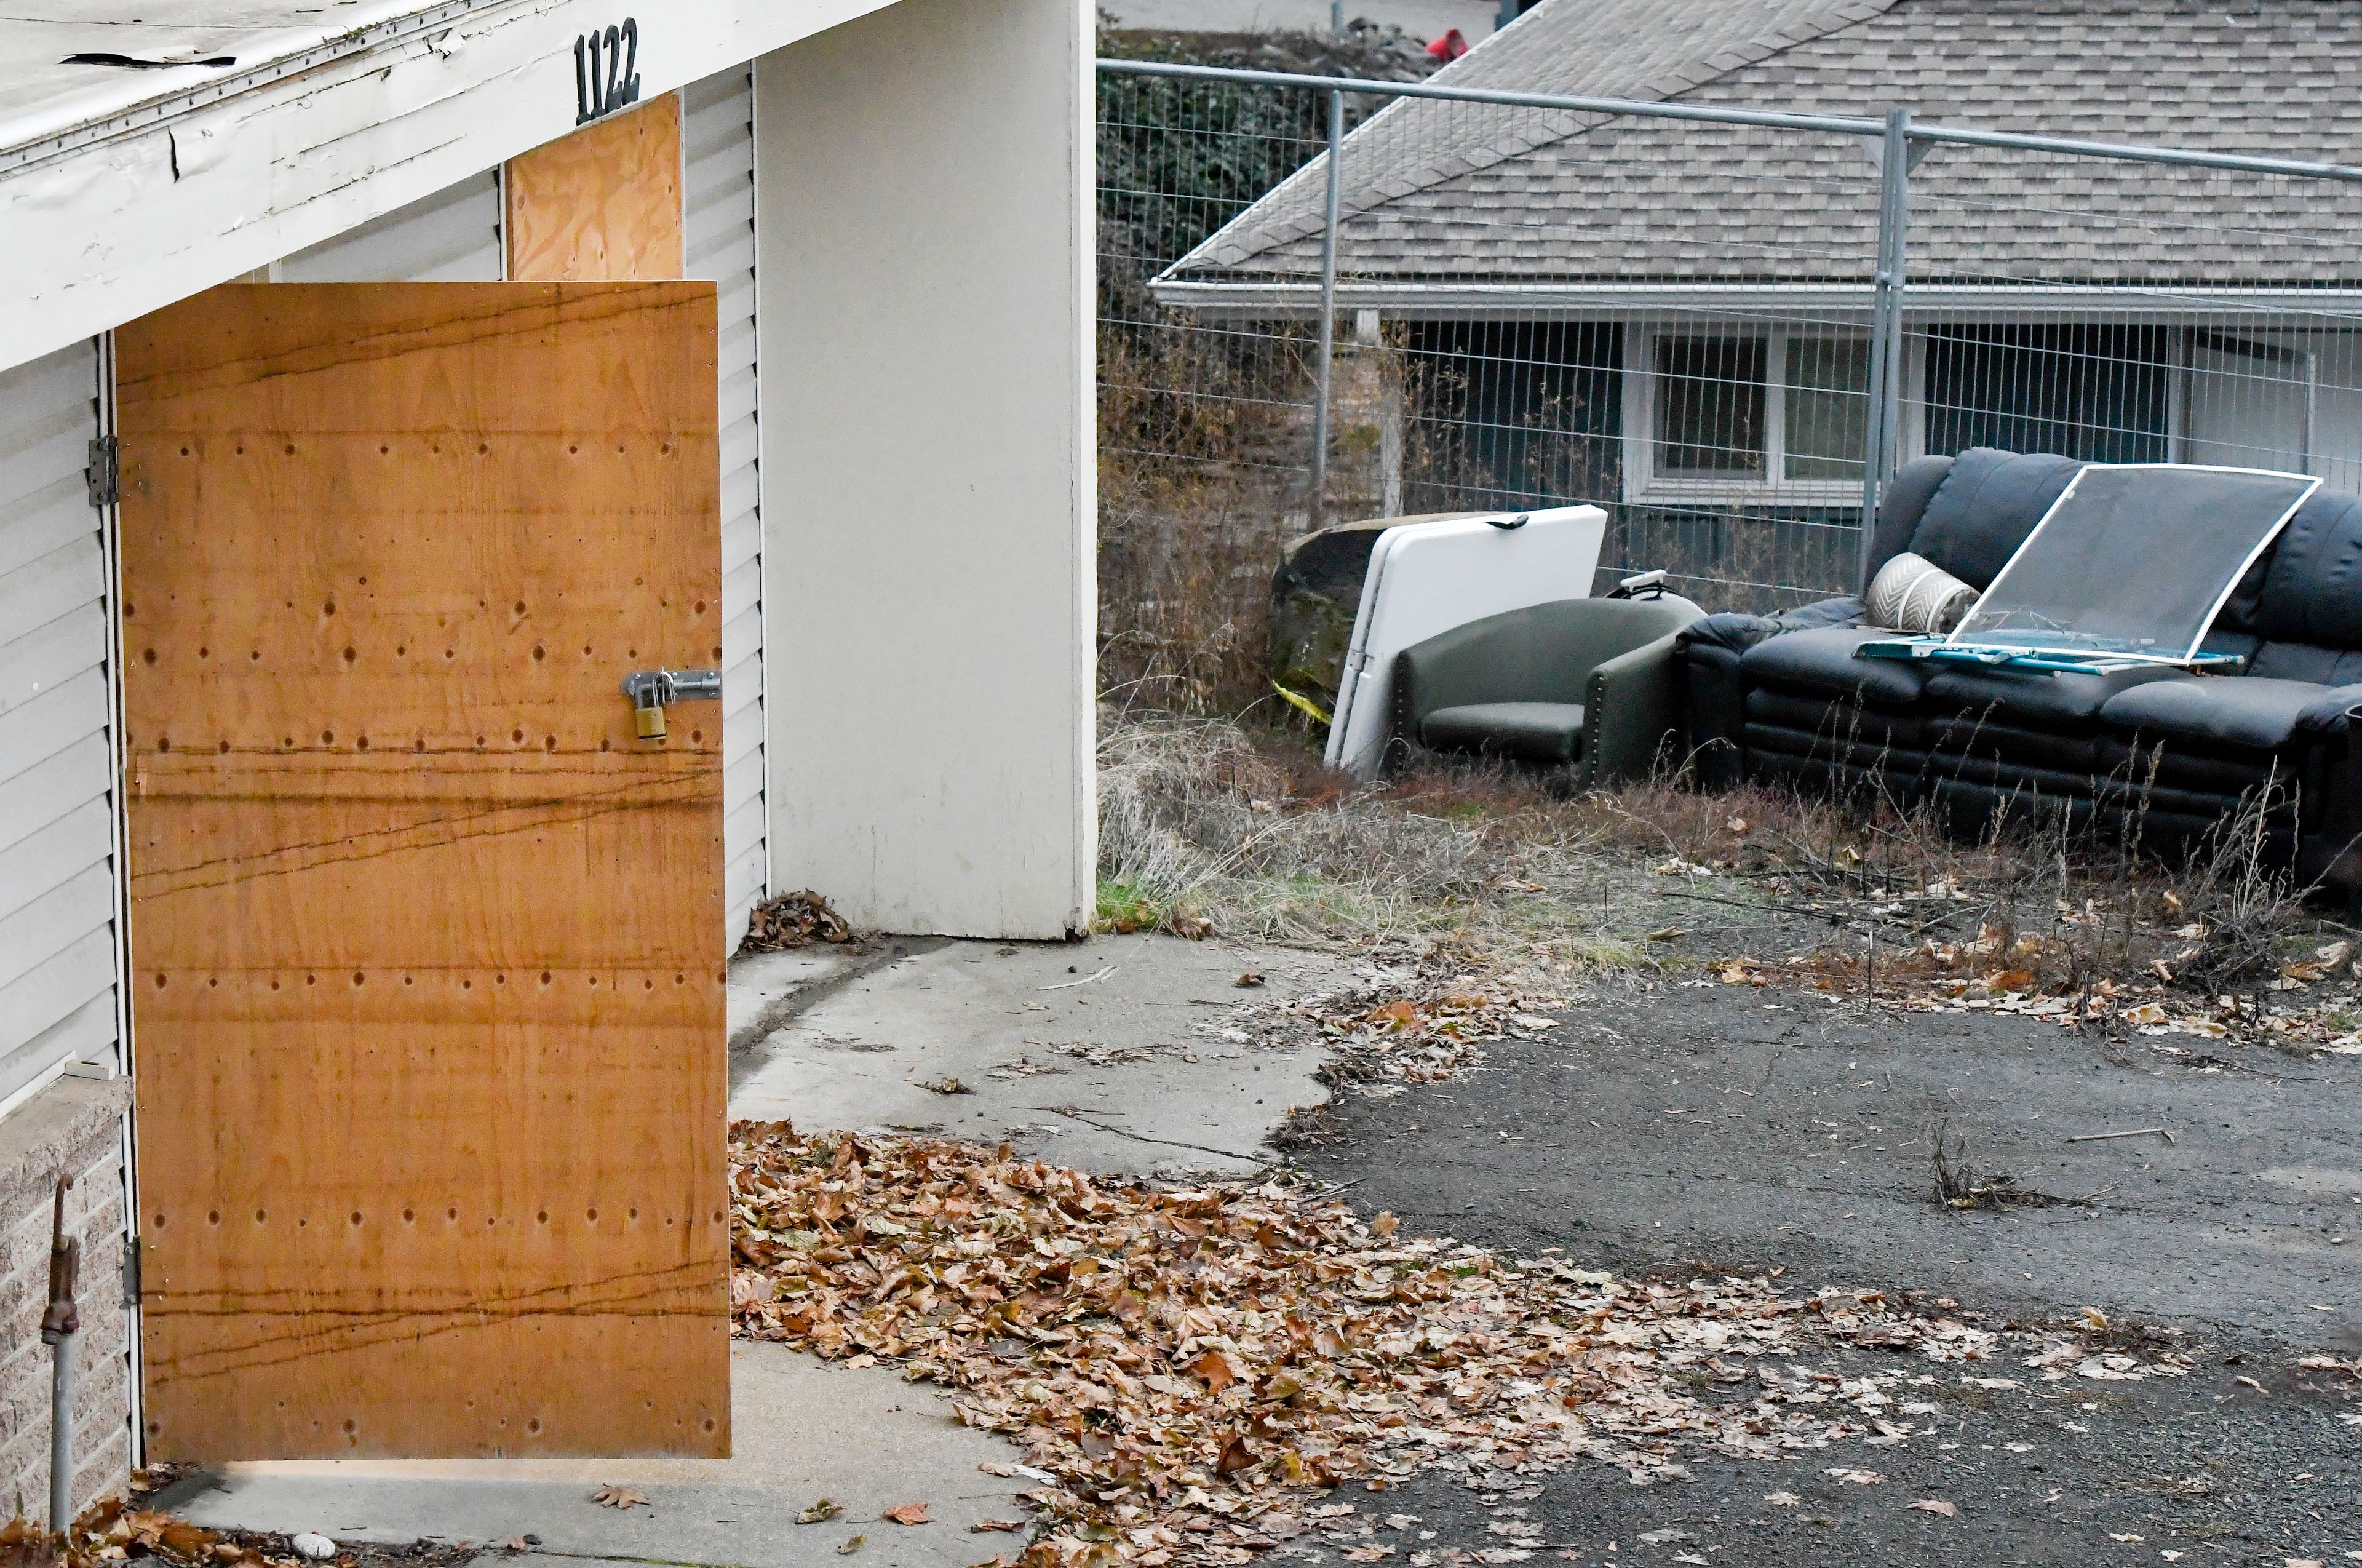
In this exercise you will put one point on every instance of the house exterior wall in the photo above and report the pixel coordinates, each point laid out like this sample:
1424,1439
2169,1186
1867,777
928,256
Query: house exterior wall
925,267
58,955
60,928
194,189
718,190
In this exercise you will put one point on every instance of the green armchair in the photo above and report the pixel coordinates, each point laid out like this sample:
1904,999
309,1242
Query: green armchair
1586,684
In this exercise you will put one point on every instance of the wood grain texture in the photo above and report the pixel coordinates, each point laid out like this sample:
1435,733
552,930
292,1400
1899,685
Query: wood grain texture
429,1030
601,205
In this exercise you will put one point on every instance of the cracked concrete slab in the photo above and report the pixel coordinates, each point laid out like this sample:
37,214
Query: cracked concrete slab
804,1430
1107,1056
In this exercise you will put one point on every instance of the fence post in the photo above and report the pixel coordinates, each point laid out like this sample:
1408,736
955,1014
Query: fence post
1885,421
1328,309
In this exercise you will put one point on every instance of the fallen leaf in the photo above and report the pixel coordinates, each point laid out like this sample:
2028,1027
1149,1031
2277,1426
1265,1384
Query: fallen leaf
983,1525
851,1544
1371,1554
1235,1456
1248,981
614,1496
826,1508
2148,1015
2096,1318
1936,1506
2129,1540
907,1514
947,1086
1668,933
1855,1478
1385,1225
1737,824
1781,1499
2010,980
1218,1371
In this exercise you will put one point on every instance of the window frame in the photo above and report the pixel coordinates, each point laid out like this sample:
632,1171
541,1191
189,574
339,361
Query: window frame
1644,483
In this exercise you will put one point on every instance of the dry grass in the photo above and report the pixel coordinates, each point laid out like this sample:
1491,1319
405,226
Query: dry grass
1211,825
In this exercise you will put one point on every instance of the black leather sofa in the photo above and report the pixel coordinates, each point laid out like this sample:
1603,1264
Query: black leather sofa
1783,700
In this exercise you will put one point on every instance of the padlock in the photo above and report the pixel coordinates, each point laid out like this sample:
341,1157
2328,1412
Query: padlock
649,714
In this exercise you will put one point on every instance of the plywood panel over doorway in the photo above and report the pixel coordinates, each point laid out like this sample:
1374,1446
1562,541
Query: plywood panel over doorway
602,203
431,1070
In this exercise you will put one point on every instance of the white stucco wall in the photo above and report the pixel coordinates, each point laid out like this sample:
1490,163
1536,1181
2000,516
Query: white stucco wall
925,265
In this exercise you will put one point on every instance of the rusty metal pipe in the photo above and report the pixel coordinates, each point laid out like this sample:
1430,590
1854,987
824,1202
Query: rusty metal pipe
59,1324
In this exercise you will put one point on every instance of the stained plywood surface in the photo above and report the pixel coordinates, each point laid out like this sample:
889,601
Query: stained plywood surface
604,202
429,1031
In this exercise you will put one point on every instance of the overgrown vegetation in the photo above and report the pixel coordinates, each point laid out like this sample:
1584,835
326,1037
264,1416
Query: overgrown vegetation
1209,825
1202,429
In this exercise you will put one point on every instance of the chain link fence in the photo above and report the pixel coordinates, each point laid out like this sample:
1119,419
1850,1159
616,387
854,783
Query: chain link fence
1726,326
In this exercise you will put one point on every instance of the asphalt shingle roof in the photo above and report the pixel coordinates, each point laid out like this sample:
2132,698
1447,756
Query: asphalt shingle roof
1441,191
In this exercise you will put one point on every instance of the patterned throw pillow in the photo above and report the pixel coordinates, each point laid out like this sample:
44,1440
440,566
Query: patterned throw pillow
1911,593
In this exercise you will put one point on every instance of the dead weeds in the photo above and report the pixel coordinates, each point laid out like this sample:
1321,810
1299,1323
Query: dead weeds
1210,827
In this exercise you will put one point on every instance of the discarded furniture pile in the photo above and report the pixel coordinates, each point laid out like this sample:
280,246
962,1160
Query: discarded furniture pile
2148,649
2164,747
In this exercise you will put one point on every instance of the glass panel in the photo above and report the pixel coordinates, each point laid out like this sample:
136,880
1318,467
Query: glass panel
2133,560
1828,407
1710,400
2100,393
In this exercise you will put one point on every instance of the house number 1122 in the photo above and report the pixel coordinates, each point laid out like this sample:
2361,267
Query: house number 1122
606,71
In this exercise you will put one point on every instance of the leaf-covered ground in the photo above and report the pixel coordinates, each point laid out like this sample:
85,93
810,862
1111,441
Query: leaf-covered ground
1188,1370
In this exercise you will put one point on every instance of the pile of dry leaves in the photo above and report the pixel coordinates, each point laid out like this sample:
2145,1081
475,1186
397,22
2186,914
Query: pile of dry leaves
1186,1366
118,1530
793,920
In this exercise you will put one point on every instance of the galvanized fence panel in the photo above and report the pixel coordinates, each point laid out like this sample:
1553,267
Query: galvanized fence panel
1724,326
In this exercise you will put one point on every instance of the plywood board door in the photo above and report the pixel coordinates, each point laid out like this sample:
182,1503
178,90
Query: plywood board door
429,1029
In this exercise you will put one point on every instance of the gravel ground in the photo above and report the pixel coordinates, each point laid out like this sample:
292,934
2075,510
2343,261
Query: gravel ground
1686,1128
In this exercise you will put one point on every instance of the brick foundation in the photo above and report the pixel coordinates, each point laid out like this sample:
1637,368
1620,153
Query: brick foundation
75,1125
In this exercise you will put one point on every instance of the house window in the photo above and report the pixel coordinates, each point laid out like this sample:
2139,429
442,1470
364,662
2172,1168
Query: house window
1774,414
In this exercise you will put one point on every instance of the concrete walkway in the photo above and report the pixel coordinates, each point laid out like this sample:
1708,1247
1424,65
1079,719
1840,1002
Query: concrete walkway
1109,1055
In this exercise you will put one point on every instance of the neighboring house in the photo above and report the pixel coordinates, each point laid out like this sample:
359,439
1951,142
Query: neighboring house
1673,314
558,344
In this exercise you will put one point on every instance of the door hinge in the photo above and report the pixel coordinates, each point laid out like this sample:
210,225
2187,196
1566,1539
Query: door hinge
131,1272
102,473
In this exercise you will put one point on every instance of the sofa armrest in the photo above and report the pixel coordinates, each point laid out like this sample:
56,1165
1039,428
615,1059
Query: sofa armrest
1633,707
2326,715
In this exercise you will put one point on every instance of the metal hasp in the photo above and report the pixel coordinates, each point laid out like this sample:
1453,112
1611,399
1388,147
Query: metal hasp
58,1325
654,691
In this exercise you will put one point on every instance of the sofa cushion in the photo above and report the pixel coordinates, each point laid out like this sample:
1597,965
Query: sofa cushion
1528,732
2307,662
2313,592
2027,699
1823,663
2256,712
1987,504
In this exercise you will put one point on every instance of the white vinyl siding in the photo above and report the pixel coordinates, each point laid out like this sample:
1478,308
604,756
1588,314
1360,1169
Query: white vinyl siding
57,770
451,237
717,187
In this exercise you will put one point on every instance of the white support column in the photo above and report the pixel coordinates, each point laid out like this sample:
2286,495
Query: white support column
926,286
